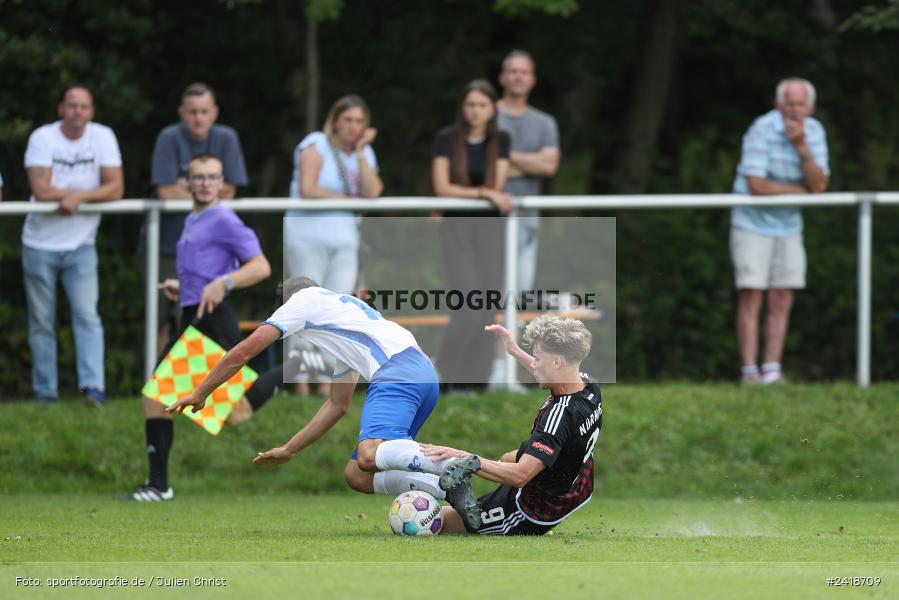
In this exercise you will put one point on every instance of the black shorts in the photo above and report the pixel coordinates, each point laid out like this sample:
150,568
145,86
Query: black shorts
500,515
220,326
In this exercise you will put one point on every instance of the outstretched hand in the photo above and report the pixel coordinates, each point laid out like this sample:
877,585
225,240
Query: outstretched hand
439,453
275,456
504,335
195,403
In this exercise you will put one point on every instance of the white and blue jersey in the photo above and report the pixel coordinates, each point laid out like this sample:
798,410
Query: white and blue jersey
403,384
345,327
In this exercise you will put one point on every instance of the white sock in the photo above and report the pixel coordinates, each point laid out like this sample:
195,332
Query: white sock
394,483
770,372
405,455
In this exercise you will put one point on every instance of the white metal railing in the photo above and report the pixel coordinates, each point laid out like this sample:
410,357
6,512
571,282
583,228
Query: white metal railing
863,200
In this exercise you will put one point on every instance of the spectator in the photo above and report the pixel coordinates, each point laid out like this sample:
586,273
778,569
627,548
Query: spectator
216,254
196,133
471,160
337,162
784,152
533,158
534,154
68,162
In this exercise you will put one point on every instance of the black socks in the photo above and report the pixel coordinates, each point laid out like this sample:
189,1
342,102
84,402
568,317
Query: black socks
160,433
265,387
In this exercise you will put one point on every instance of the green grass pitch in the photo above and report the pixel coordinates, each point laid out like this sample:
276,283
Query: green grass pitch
697,497
340,546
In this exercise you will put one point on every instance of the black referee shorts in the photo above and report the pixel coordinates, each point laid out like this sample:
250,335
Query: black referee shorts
500,515
220,326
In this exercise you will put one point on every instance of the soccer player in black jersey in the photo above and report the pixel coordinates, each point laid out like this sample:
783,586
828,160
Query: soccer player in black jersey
551,474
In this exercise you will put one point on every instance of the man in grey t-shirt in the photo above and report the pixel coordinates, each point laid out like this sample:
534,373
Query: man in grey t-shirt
196,133
534,157
535,151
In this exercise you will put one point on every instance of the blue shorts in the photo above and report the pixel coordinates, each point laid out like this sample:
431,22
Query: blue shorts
400,396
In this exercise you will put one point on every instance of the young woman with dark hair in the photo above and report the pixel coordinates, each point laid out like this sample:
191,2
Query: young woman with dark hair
471,160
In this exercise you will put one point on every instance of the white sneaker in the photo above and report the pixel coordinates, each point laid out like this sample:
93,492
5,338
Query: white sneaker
751,379
773,378
148,493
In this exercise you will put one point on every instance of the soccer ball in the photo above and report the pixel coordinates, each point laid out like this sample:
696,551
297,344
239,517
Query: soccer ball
415,513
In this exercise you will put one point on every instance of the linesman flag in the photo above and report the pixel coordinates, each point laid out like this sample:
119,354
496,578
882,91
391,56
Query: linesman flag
185,367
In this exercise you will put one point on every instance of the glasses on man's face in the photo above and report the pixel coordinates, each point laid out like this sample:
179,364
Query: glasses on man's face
205,178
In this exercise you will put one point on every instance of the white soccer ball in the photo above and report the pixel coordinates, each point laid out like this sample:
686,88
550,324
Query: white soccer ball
415,513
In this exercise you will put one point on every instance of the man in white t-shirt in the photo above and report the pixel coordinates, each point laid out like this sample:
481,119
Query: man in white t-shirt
68,162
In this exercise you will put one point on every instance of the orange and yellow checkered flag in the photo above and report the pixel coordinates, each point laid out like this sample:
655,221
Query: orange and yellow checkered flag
183,369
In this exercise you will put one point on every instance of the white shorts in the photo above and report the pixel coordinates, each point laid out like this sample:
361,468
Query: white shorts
765,261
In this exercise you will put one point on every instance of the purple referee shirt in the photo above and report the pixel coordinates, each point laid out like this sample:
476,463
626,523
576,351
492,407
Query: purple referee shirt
214,242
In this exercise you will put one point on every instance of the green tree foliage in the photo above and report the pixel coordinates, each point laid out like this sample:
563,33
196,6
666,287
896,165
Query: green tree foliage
874,18
517,8
323,10
409,60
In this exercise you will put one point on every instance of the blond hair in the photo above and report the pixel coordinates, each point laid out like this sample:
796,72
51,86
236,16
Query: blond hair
338,108
564,336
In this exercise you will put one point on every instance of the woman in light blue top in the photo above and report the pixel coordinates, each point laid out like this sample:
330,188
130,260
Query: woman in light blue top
337,162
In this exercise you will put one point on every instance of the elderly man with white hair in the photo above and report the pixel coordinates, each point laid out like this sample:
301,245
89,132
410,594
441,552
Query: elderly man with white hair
784,152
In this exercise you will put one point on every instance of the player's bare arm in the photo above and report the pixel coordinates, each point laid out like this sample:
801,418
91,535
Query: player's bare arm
509,456
523,358
264,336
331,411
517,474
250,273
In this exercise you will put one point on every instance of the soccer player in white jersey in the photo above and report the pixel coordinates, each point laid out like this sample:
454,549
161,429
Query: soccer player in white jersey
402,391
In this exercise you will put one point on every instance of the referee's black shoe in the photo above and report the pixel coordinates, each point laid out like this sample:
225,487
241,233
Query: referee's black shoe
456,482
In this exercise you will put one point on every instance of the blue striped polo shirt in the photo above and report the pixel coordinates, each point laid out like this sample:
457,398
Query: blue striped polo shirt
768,153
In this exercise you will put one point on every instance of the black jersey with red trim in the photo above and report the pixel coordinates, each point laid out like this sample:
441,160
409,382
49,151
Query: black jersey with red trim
563,438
